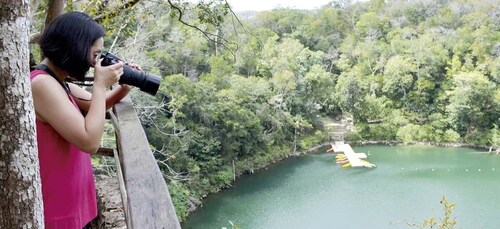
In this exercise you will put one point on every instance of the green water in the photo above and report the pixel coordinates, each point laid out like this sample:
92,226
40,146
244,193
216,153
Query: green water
313,192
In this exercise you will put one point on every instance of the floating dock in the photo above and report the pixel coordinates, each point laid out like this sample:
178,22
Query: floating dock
354,159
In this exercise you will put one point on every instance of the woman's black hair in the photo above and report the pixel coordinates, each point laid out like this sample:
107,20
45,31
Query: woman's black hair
67,42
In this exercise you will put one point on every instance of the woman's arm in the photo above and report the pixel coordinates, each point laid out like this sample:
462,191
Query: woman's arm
114,96
53,106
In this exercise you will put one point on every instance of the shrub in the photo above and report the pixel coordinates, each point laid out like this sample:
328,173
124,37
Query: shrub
408,133
223,178
451,136
180,199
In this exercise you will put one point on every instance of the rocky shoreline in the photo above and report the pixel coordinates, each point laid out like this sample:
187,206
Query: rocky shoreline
443,144
393,143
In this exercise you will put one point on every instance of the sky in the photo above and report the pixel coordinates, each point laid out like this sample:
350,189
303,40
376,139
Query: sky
259,5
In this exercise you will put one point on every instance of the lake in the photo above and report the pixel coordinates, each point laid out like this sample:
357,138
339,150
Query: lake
312,191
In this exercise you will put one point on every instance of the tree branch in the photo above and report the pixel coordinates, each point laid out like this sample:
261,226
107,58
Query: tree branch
205,33
242,26
118,10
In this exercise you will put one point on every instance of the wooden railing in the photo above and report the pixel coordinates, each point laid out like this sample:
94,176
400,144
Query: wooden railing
146,199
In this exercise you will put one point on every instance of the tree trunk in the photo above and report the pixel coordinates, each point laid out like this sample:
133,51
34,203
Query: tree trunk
20,188
54,9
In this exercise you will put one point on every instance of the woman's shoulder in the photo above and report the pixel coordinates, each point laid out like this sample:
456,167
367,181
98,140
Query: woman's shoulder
45,86
41,79
37,72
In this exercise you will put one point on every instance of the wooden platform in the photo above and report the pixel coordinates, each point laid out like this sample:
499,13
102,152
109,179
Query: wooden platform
353,158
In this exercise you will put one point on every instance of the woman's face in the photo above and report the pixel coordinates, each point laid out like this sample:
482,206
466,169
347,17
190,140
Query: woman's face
96,50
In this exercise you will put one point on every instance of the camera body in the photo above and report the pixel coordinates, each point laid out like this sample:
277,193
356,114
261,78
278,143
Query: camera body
146,82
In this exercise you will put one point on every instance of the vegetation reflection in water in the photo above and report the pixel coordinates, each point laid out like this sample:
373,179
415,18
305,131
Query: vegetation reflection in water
406,188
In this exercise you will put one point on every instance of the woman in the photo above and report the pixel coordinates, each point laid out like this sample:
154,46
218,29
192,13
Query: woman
71,45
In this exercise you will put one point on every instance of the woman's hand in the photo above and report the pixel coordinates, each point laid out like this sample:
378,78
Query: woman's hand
106,76
127,87
135,66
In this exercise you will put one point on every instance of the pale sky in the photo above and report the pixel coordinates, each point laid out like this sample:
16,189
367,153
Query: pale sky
259,5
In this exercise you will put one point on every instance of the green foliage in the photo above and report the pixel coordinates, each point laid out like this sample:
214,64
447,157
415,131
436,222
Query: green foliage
280,21
219,66
446,18
318,88
471,102
223,178
445,222
451,136
398,77
408,134
180,198
495,137
322,31
314,139
212,12
370,24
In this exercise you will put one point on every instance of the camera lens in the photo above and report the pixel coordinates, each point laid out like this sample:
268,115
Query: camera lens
146,82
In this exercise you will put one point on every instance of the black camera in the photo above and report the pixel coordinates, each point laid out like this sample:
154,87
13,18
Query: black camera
146,82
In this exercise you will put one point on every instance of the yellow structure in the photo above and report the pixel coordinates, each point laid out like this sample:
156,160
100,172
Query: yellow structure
354,159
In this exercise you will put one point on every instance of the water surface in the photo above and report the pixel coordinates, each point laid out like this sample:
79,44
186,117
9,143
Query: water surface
406,187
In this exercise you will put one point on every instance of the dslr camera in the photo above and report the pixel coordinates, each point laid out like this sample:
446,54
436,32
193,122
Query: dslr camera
146,82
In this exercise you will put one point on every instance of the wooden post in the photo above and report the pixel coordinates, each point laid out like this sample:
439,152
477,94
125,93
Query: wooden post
234,172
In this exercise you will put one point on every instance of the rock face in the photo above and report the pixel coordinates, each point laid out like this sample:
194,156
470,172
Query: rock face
337,129
109,203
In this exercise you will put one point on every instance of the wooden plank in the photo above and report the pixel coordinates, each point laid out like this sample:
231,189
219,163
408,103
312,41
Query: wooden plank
121,184
349,153
148,199
352,157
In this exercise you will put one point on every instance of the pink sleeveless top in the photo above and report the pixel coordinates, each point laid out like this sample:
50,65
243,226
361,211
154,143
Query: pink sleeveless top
69,197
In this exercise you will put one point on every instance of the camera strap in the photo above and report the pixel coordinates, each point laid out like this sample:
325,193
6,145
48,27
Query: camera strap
46,69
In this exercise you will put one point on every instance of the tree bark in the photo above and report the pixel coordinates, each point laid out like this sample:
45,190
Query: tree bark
20,188
54,9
